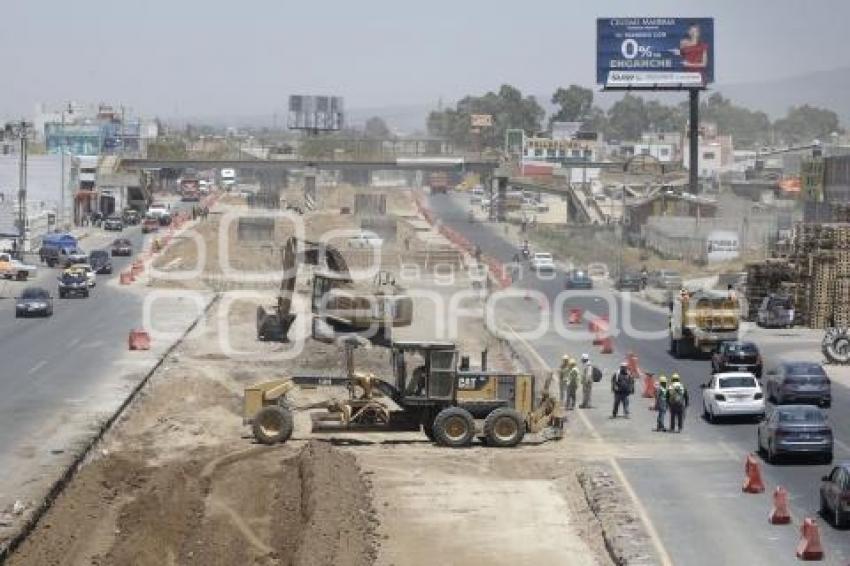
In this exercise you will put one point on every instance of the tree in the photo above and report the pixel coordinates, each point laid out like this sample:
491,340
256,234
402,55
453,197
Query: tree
748,128
627,118
804,124
574,104
376,128
508,107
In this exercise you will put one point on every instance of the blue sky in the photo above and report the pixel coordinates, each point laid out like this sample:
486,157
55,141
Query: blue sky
206,57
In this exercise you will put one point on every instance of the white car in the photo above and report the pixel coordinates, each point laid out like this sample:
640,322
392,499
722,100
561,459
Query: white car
157,209
367,240
542,261
732,394
91,277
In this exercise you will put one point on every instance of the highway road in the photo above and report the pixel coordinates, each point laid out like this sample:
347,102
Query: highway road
59,376
689,484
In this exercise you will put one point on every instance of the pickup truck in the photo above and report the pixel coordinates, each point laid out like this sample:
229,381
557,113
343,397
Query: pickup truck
11,268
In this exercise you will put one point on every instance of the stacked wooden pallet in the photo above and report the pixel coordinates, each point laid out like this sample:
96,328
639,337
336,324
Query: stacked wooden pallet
816,274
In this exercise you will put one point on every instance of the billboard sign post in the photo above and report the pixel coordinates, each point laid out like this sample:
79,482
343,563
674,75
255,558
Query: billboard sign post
654,53
481,120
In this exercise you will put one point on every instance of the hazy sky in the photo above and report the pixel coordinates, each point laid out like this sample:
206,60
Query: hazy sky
207,57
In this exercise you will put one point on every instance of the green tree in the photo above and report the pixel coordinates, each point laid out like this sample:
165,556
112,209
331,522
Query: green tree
803,124
508,107
748,128
627,118
574,104
167,148
376,128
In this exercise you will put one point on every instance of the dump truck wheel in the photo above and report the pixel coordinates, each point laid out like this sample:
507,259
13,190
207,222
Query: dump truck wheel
454,427
272,424
504,428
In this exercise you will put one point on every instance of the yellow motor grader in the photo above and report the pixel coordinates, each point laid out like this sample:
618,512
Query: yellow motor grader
428,392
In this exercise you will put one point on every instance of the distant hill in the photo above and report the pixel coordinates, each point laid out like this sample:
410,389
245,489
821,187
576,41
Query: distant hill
827,89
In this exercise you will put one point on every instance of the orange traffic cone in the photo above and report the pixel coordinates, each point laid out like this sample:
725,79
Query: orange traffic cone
607,346
575,316
752,482
780,515
649,386
809,547
139,340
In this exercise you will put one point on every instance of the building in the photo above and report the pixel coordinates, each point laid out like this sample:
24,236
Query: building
664,203
716,152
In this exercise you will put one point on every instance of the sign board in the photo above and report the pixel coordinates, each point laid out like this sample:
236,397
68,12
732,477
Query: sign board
481,120
654,53
315,113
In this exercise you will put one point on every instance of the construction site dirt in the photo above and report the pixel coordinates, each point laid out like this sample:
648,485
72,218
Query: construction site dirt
180,480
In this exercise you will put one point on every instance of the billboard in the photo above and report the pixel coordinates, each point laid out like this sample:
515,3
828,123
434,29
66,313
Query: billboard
315,113
654,53
481,120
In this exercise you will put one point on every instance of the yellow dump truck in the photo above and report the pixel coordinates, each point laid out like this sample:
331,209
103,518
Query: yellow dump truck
701,320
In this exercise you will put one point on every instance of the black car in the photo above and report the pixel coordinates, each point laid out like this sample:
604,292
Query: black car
795,429
34,301
737,356
122,246
73,283
798,382
164,219
100,261
577,279
51,255
629,282
835,495
131,217
113,223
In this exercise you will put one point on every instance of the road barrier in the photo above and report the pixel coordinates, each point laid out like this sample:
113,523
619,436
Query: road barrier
809,547
126,277
752,480
575,316
607,346
139,340
649,386
780,515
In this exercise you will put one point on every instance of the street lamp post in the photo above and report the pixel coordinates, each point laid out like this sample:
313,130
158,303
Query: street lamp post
21,130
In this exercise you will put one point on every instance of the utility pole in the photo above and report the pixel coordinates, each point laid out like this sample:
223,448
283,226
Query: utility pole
22,130
60,216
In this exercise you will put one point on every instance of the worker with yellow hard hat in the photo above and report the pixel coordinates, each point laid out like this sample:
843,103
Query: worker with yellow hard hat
661,403
677,401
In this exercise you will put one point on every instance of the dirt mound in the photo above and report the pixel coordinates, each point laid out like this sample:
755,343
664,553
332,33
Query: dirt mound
294,505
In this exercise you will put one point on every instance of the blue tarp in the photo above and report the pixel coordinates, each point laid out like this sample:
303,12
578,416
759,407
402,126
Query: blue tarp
64,241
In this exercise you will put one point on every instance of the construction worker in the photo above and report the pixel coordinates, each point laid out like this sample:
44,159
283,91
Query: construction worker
677,401
622,385
573,378
661,403
586,381
563,378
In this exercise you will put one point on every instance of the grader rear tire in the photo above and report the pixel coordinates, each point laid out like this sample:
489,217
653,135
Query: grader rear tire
454,427
272,424
504,428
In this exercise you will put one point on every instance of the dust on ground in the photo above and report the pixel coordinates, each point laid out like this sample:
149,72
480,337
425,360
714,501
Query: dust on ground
179,480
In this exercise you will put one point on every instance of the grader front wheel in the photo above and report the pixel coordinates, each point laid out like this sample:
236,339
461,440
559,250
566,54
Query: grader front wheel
272,424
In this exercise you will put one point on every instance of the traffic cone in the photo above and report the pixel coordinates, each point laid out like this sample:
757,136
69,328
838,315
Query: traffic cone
809,547
139,340
126,277
649,386
575,316
780,515
752,482
607,346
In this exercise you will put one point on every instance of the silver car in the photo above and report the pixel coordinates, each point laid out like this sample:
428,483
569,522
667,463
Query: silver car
795,429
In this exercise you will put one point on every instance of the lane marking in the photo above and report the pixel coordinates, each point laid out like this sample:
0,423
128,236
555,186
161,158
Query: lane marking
663,555
37,367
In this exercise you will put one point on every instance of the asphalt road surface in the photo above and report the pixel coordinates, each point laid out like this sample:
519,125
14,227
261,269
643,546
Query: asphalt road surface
55,370
688,484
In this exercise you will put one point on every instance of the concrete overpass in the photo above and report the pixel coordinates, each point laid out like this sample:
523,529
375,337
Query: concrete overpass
425,164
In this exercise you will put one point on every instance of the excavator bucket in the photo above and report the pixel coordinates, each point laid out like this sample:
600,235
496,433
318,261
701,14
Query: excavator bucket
272,326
